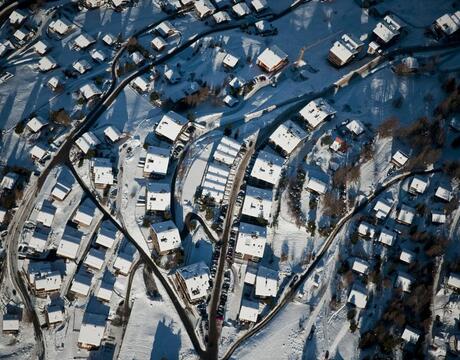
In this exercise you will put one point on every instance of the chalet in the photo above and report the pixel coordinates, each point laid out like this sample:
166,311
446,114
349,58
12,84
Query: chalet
315,185
109,39
344,50
438,216
387,30
9,181
193,280
156,161
251,240
230,101
10,323
55,83
249,311
83,41
338,145
382,208
102,172
417,185
81,283
221,17
137,58
410,335
60,27
41,48
38,240
272,59
158,196
267,167
95,259
259,5
90,91
165,29
257,203
46,214
373,48
406,215
355,127
266,283
287,137
38,152
166,237
203,8
443,193
92,330
85,214
70,243
106,235
173,77
22,35
447,25
316,112
230,61
81,66
112,133
140,85
358,296
387,237
360,266
399,159
170,126
123,262
158,43
36,124
453,281
98,55
17,17
47,282
366,230
87,142
407,256
241,9
54,314
236,83
60,191
47,63
263,27
105,290
404,281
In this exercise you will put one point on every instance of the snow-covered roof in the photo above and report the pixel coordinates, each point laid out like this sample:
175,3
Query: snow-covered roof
271,58
170,125
54,313
358,296
287,136
112,133
387,29
196,280
167,236
109,39
95,258
82,41
69,243
355,127
3,213
404,281
87,141
89,91
38,240
443,193
60,26
387,237
36,123
230,61
10,322
360,266
406,215
236,83
81,66
249,310
105,290
140,83
158,43
382,208
204,8
47,63
165,29
367,230
123,263
221,17
85,214
60,191
9,180
454,281
399,158
407,256
92,329
106,235
102,171
98,55
266,282
267,167
418,185
20,34
215,181
226,150
449,23
54,82
251,240
156,161
17,17
38,152
46,213
316,185
81,283
158,196
259,5
257,203
410,335
49,281
316,111
40,47
229,100
241,9
438,216
250,276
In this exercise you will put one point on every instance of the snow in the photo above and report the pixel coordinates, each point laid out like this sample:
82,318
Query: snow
257,203
251,240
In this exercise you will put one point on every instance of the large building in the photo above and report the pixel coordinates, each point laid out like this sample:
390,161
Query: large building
267,167
316,112
194,281
171,125
156,161
166,237
287,137
257,203
158,196
272,59
102,172
251,241
266,282
70,243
